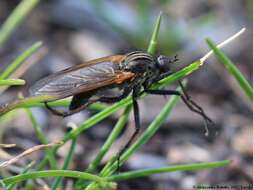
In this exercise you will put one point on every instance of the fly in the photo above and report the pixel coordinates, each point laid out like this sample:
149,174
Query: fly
132,73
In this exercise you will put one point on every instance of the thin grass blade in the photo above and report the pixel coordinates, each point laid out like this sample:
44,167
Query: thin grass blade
232,69
15,19
154,38
19,60
185,167
12,82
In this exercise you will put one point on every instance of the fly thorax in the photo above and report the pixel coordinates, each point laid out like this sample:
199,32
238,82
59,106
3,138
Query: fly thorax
138,62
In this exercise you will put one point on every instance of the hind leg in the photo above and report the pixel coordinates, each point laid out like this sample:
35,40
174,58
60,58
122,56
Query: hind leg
78,103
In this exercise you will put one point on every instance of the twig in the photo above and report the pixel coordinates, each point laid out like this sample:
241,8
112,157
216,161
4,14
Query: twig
27,152
7,145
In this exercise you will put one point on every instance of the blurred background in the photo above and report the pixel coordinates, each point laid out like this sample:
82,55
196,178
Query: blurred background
76,31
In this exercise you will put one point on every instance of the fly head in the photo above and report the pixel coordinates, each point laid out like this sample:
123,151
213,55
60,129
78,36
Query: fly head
164,63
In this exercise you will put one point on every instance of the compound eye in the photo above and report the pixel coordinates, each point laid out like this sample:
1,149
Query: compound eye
162,60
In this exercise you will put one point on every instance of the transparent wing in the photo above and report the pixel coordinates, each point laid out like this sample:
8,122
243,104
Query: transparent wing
81,78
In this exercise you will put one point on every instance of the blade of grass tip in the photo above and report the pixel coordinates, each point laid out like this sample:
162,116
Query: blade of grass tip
222,44
185,167
53,173
147,134
110,140
232,69
57,180
20,59
153,42
16,18
12,82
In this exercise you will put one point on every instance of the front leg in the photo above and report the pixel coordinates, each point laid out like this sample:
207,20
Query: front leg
193,106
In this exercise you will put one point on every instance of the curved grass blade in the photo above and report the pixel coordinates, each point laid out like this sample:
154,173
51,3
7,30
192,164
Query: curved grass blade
23,103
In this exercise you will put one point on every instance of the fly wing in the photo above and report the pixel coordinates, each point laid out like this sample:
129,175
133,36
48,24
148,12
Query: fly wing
82,78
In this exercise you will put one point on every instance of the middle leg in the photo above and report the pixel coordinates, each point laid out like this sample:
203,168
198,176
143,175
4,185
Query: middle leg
137,125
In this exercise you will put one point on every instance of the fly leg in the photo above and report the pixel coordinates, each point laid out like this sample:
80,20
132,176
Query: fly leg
78,103
193,106
137,125
116,98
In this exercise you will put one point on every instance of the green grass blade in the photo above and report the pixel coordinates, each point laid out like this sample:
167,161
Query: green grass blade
52,173
12,82
67,161
16,18
22,103
232,69
37,128
185,167
42,138
153,42
19,60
